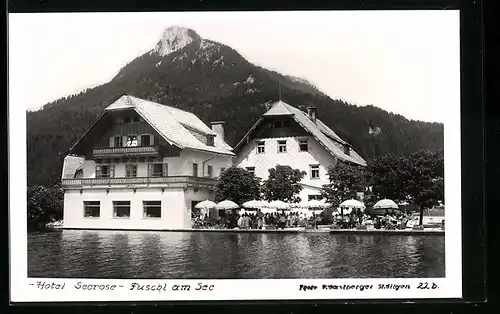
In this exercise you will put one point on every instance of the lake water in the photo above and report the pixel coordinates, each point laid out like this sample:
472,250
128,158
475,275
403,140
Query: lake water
177,255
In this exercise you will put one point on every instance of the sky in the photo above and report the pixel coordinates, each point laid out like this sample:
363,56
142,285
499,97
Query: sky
406,62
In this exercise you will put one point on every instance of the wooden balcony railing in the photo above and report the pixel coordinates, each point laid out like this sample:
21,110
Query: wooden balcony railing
120,151
172,180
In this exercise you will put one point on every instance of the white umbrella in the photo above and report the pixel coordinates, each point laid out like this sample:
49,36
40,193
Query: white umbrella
255,204
227,204
385,204
206,204
353,203
278,205
316,204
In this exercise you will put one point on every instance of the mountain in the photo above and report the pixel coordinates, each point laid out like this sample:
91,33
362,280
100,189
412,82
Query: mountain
214,82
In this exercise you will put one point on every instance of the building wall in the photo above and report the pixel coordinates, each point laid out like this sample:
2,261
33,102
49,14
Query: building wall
177,166
175,208
188,157
316,154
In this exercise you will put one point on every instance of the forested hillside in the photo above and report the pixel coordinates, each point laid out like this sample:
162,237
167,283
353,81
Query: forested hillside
216,83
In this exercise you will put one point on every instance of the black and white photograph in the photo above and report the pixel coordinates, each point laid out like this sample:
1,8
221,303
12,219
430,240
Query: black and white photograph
207,155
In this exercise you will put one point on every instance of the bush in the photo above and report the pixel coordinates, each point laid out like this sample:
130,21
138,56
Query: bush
44,205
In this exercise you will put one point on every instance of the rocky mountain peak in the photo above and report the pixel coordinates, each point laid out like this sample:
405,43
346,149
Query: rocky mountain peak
175,38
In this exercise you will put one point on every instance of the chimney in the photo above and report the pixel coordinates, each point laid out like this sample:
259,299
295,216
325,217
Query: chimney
218,128
311,111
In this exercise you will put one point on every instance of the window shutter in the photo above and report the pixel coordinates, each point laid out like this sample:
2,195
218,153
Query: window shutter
112,141
165,170
152,139
150,170
111,171
98,171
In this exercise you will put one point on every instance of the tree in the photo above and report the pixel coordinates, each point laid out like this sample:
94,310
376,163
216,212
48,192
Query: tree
418,178
283,184
388,176
44,204
345,181
237,185
425,184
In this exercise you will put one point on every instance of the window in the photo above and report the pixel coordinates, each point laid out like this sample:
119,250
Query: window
118,141
130,171
303,147
210,140
209,171
314,197
145,140
126,120
278,124
135,119
195,170
158,170
314,171
105,171
261,147
251,170
121,209
281,146
222,170
131,141
152,209
286,123
91,208
347,150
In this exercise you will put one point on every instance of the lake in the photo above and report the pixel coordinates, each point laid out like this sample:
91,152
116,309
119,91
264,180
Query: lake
214,255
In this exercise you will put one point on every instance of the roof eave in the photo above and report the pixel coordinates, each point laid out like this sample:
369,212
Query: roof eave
84,134
243,139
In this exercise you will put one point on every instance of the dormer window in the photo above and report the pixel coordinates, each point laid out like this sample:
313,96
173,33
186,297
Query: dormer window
210,140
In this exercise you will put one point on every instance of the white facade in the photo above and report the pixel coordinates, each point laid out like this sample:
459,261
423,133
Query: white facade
175,208
316,155
176,195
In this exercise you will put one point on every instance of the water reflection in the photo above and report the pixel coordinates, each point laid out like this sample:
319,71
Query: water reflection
123,254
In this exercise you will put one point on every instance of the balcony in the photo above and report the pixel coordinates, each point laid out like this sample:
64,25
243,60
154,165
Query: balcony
173,181
126,151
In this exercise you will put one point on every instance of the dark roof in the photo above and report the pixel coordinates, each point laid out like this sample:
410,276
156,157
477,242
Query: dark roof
320,131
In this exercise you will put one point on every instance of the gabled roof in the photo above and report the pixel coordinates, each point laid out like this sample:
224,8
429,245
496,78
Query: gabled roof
172,124
320,131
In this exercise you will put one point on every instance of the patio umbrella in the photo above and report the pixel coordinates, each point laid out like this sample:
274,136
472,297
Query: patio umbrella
353,204
315,204
385,204
227,204
278,205
254,204
206,204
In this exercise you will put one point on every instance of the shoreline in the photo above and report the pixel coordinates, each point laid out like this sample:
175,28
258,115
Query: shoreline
433,231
